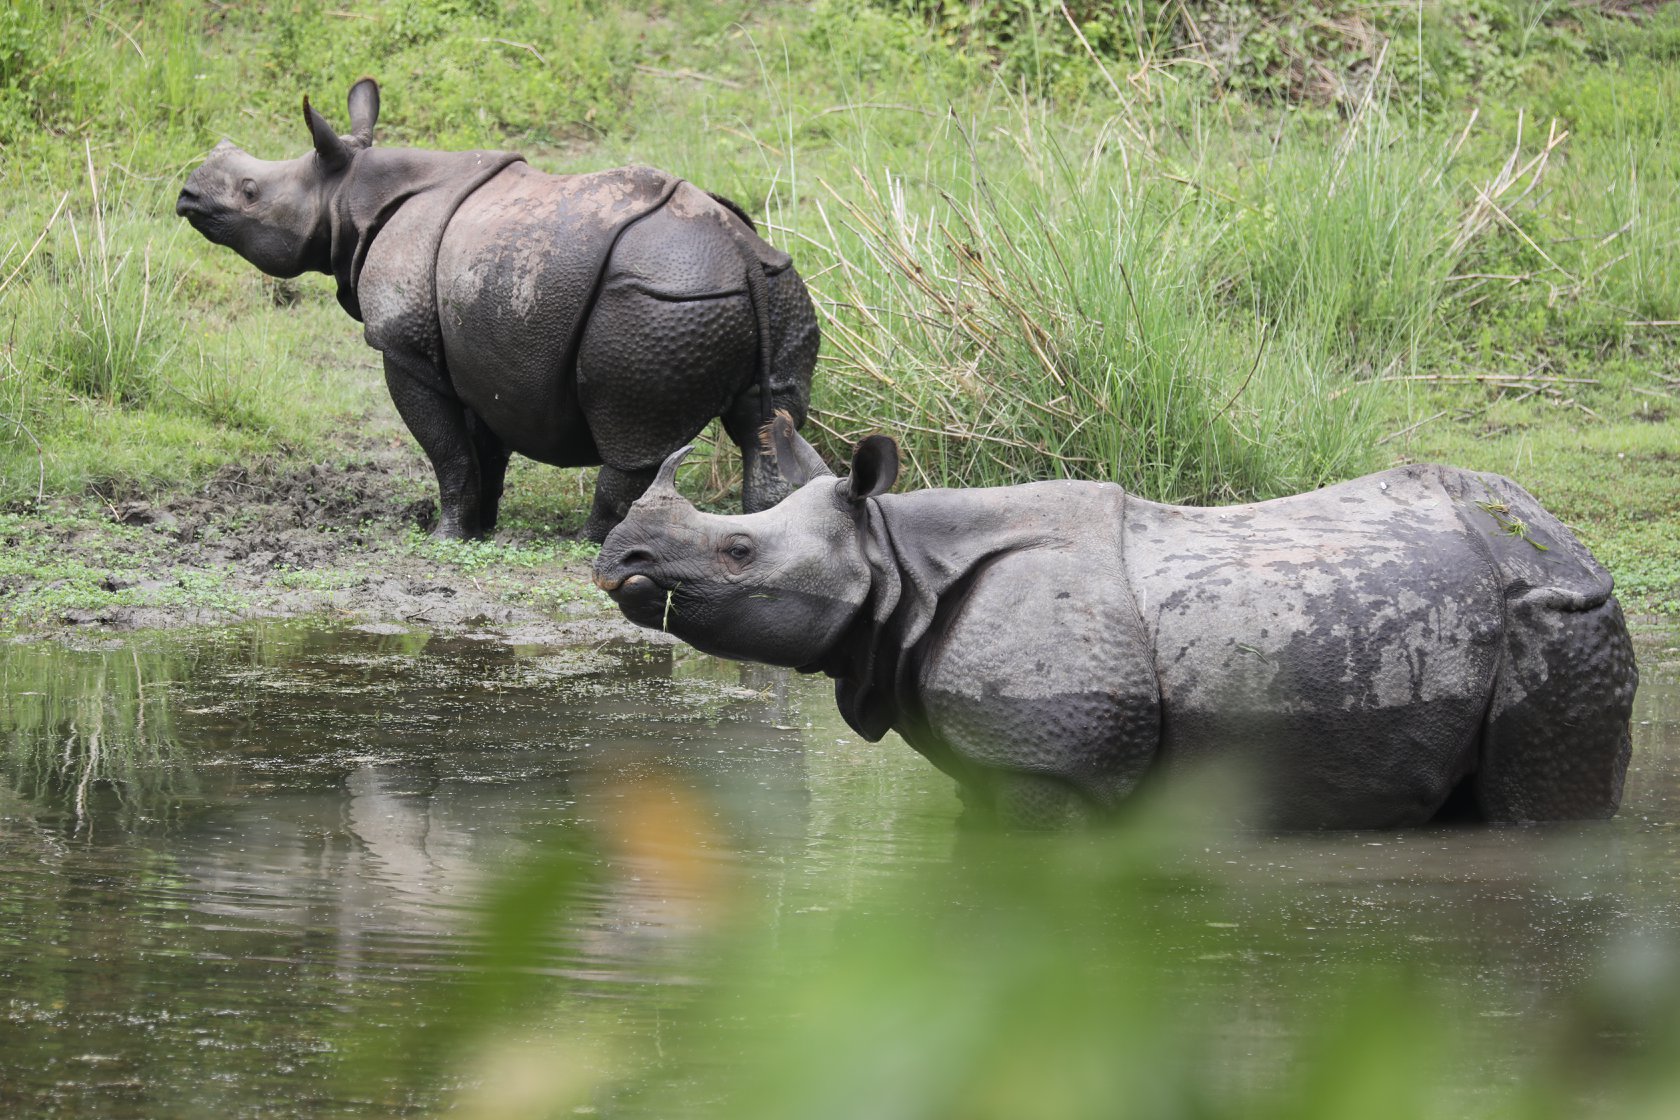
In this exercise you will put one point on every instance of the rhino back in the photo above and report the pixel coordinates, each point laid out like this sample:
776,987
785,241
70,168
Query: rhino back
691,249
1344,641
517,274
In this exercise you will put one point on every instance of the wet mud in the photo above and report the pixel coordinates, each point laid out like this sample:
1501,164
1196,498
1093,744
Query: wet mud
281,539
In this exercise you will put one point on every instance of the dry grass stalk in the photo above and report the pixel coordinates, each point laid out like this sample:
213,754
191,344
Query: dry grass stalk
1488,207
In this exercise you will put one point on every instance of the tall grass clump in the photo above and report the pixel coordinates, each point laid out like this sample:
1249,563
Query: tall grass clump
108,372
113,338
1352,242
1018,313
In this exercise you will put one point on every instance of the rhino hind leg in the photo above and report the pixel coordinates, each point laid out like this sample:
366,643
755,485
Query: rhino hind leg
762,485
492,455
1556,743
794,341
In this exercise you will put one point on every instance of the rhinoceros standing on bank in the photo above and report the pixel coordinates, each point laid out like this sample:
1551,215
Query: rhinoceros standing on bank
1377,651
575,319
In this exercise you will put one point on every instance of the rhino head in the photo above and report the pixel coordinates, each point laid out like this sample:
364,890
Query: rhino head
277,213
781,586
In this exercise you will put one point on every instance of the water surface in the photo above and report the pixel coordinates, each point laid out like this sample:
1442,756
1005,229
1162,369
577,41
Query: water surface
233,861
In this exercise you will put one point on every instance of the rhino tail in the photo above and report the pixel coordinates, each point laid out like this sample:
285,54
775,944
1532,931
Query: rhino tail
758,294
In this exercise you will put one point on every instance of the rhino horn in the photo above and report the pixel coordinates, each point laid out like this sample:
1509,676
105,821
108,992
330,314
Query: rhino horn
797,460
364,110
665,482
329,146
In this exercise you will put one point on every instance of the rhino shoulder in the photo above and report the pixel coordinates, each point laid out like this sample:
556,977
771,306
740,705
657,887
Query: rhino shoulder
389,224
1036,660
395,288
1044,668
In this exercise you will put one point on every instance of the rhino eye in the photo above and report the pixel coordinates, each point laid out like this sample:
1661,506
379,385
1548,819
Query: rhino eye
737,553
249,190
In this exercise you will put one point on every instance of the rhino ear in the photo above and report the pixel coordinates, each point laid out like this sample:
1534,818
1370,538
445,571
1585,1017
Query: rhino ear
364,110
796,460
334,153
874,467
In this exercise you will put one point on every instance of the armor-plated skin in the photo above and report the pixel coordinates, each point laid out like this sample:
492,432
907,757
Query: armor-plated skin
1375,652
574,319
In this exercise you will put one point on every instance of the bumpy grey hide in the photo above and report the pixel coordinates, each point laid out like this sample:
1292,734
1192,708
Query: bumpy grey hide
575,319
1376,652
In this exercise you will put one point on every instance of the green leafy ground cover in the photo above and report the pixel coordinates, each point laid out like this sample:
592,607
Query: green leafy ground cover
1217,251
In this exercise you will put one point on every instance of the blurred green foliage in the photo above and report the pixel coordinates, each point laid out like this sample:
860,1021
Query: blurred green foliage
295,871
1057,978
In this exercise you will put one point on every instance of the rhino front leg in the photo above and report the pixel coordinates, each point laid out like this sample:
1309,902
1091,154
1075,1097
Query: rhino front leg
614,491
440,425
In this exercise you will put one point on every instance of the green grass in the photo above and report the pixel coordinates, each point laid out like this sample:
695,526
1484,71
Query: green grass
1211,252
489,555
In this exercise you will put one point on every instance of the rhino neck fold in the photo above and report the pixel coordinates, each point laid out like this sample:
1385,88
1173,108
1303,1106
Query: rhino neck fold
380,182
924,549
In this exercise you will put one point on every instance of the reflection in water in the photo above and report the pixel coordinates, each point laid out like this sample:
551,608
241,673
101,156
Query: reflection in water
230,858
86,725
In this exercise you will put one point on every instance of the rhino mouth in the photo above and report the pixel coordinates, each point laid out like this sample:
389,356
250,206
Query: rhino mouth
643,601
198,212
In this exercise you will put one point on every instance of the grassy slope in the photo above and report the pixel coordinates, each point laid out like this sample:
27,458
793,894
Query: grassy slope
1188,289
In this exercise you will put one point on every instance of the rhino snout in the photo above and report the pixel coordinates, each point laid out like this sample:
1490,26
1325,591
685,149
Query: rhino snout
188,203
609,584
643,601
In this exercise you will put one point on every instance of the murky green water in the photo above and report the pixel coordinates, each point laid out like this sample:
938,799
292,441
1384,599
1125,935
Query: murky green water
234,865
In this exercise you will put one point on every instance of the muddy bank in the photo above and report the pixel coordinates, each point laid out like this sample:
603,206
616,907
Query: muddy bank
277,539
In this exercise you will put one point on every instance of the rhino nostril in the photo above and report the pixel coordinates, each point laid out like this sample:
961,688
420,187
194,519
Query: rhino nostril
635,557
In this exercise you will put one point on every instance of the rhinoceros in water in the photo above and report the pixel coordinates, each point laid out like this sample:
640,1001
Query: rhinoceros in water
1378,652
575,319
